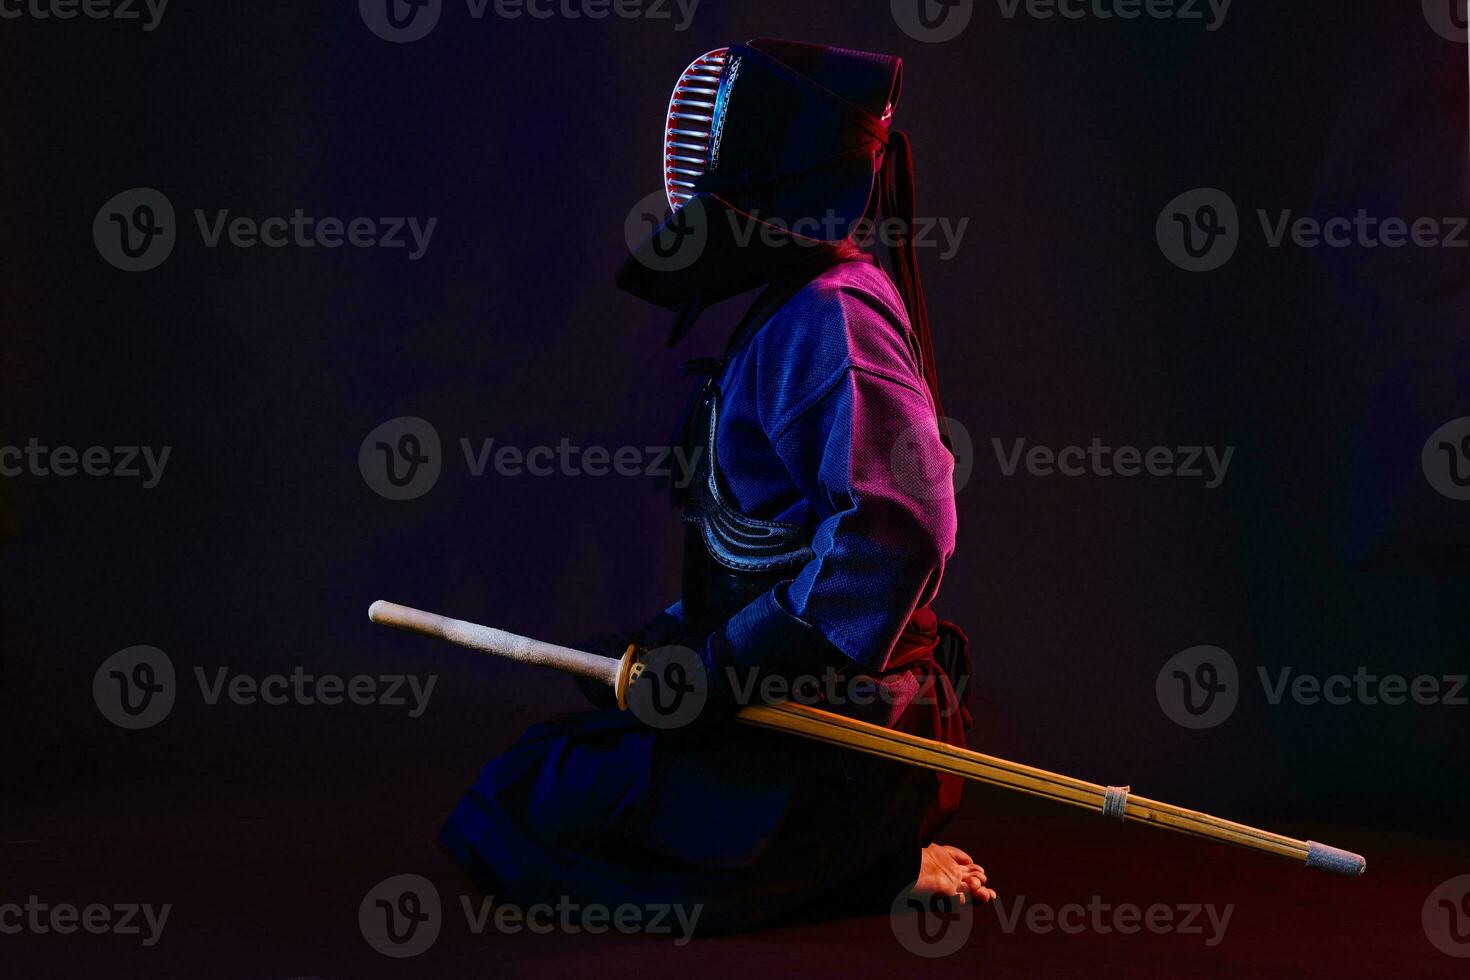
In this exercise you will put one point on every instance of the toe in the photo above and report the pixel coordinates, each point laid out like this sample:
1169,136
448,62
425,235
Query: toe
975,883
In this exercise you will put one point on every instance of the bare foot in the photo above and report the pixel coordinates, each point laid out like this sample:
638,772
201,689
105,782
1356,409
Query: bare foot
946,870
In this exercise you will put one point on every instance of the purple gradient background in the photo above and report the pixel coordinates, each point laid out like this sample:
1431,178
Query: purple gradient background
1059,320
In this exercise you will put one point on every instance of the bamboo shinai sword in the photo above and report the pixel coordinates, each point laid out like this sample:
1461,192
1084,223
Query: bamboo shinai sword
859,736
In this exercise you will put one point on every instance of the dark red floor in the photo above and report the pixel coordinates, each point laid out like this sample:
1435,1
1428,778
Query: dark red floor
275,892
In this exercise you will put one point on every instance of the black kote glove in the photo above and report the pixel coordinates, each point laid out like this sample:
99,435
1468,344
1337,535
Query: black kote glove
662,630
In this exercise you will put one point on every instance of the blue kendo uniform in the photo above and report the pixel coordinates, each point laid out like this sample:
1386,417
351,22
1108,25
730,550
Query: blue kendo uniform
816,540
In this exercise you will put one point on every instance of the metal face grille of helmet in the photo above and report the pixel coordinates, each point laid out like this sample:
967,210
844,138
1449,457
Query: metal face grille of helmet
696,123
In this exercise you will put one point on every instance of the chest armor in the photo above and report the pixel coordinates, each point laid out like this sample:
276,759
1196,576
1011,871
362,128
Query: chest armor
730,558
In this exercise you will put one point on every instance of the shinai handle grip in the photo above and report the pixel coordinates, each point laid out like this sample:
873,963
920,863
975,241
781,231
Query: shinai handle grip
499,643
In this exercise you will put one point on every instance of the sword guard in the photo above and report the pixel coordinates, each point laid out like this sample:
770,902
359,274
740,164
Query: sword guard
629,667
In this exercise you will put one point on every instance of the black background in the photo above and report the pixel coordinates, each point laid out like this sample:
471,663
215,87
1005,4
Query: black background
1058,320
